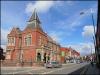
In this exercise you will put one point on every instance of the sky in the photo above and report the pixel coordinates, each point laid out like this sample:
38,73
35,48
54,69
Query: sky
59,19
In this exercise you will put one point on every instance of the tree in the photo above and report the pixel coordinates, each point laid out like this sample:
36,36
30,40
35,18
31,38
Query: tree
2,57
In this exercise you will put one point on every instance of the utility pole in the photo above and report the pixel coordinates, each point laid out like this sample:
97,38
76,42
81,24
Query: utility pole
94,37
91,54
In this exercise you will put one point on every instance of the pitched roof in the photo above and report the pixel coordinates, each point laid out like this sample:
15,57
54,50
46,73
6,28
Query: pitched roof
34,22
51,40
15,30
65,48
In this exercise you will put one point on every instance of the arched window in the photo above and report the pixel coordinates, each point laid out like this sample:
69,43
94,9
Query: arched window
38,57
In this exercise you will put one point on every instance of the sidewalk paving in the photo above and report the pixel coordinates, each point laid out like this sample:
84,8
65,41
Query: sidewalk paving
15,68
93,69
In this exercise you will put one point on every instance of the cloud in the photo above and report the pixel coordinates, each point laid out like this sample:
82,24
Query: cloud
88,31
70,23
44,6
41,6
83,48
76,19
4,33
70,2
56,36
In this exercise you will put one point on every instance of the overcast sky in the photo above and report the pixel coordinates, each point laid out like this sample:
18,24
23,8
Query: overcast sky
60,19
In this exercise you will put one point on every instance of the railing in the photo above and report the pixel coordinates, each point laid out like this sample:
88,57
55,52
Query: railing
22,64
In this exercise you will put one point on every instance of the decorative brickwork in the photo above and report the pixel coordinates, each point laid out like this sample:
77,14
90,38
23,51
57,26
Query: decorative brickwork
32,44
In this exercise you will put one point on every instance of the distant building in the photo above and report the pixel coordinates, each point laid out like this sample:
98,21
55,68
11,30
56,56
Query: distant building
32,44
64,54
68,54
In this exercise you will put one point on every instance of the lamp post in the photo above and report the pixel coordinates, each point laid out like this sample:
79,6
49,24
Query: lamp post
94,37
94,29
91,54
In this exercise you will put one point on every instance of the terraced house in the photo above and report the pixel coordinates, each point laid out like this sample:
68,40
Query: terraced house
67,54
32,44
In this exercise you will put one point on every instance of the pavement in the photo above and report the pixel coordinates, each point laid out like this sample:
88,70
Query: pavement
65,69
92,69
87,70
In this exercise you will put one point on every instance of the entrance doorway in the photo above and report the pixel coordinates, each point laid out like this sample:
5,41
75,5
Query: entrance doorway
38,57
44,58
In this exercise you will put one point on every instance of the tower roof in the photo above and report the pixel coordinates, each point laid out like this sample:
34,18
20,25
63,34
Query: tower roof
34,17
34,22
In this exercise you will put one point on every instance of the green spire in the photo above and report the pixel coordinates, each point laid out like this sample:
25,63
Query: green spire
34,17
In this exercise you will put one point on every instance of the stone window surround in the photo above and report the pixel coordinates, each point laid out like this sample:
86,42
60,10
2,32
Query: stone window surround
28,35
10,41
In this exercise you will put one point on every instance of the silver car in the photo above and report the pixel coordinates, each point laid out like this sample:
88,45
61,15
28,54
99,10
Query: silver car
53,64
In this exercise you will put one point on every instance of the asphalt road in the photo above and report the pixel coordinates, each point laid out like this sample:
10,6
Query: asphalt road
65,69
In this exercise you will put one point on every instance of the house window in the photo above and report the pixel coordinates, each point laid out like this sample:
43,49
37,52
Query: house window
11,41
28,40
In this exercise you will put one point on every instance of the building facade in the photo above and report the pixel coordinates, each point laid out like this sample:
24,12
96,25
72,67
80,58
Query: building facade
68,54
97,47
32,44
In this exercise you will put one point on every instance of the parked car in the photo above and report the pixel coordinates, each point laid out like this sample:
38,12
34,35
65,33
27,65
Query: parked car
53,64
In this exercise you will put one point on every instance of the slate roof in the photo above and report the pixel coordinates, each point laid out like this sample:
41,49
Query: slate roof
51,40
34,17
14,31
34,22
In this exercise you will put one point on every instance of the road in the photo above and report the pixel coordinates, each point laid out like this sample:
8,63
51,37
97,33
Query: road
65,69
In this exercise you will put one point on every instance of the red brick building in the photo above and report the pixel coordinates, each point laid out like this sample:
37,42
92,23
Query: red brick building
32,44
64,53
75,54
67,53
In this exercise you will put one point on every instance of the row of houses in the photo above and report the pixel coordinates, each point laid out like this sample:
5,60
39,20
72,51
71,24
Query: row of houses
69,54
34,45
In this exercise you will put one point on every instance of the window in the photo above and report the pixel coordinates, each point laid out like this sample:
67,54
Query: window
28,40
11,41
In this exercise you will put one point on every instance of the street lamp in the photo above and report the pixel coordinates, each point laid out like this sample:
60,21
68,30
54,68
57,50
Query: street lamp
94,30
93,26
